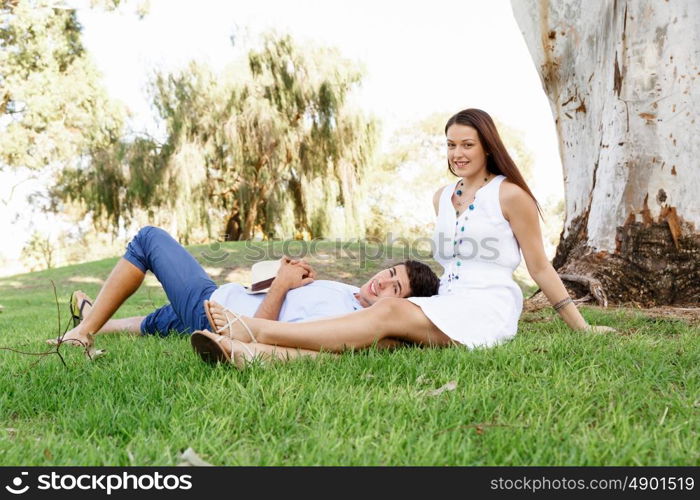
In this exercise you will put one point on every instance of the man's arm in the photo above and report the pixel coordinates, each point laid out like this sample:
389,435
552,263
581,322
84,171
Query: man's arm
270,307
292,274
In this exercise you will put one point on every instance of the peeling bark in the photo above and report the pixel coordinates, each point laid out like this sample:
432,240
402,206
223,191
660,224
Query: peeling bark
623,80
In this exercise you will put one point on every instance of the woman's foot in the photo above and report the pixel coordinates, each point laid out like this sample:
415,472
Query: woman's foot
215,348
229,323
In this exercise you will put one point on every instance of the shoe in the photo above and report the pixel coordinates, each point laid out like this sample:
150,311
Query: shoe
76,309
208,346
230,322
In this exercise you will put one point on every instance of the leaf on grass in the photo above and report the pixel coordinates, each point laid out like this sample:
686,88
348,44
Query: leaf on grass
93,354
1,308
422,379
11,432
189,458
449,386
47,454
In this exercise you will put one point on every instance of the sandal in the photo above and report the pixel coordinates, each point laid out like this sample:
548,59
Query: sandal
230,322
208,346
76,309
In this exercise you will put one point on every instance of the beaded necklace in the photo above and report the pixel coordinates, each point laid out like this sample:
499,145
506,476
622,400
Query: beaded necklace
459,192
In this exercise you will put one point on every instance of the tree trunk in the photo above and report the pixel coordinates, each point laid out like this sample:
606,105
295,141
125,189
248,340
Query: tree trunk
249,221
623,81
232,232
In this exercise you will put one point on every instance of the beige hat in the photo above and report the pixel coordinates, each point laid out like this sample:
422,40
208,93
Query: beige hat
264,273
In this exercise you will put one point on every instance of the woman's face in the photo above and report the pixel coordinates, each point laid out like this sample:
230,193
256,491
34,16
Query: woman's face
464,150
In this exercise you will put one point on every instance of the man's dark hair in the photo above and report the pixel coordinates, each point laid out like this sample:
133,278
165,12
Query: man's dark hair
424,282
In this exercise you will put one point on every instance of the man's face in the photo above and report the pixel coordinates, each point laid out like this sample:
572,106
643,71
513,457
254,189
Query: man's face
392,282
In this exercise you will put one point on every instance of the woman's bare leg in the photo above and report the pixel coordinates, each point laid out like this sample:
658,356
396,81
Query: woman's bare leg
389,318
123,281
264,352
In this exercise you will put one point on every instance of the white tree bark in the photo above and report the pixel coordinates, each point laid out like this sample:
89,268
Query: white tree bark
623,80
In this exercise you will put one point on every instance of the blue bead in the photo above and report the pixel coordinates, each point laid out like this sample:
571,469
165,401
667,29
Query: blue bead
471,207
462,228
459,193
459,263
456,277
456,223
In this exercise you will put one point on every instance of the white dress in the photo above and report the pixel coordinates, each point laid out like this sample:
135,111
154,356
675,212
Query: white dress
478,303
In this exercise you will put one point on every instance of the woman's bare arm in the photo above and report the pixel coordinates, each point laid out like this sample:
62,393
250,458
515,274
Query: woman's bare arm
520,210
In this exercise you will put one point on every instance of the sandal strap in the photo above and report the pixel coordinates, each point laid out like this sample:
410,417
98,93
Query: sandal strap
82,306
77,306
237,318
230,358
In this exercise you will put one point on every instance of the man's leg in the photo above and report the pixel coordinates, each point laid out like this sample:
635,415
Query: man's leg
130,325
161,320
390,318
123,281
185,283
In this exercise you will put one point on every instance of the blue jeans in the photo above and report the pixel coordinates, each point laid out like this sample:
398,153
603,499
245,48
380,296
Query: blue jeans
186,284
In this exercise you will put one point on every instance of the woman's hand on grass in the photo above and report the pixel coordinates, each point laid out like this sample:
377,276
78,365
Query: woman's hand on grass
600,329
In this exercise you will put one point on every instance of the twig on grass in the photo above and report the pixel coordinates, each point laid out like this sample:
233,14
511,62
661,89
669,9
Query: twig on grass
90,351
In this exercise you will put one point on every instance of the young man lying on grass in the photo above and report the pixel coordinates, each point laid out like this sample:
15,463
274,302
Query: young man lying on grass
294,294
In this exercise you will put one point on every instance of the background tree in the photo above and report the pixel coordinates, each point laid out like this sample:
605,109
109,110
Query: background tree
269,145
623,82
53,108
39,252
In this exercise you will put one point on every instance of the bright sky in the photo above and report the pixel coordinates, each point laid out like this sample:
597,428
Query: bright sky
420,57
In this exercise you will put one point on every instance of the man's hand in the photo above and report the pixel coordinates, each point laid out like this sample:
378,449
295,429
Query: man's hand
293,274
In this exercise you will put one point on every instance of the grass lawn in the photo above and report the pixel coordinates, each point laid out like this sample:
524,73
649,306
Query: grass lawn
548,397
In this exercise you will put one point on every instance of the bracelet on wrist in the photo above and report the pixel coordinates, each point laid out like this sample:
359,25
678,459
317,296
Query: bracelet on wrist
563,303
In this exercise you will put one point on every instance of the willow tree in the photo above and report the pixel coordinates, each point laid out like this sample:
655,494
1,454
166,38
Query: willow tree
623,81
277,138
271,145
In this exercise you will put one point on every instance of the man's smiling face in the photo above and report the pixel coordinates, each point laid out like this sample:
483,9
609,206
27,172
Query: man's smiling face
392,282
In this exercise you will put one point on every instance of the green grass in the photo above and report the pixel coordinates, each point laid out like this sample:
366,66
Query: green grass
549,397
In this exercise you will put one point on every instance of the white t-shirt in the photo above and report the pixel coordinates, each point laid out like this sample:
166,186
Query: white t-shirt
320,299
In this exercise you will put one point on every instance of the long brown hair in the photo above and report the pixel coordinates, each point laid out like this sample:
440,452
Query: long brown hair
498,161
